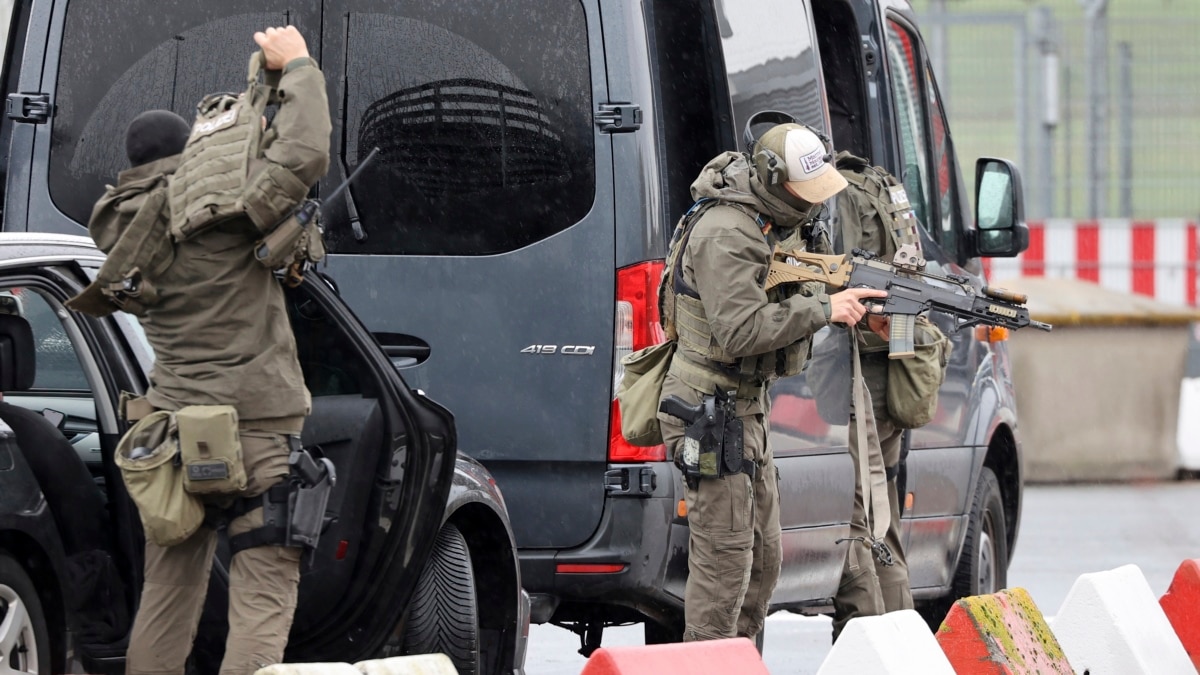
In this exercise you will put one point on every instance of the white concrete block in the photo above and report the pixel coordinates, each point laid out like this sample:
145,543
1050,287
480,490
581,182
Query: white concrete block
309,669
897,643
422,664
1188,434
1111,624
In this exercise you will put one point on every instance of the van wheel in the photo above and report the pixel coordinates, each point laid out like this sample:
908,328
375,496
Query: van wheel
443,616
983,565
24,638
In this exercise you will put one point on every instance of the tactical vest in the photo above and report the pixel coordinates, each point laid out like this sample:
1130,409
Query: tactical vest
886,196
701,363
221,174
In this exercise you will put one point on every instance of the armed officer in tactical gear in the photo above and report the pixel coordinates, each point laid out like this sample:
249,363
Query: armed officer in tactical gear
874,215
733,340
218,324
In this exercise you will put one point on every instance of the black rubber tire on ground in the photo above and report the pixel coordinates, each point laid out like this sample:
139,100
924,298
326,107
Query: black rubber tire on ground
443,616
31,650
983,565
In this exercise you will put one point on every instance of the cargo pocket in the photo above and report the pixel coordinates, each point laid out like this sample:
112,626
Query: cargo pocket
148,457
211,450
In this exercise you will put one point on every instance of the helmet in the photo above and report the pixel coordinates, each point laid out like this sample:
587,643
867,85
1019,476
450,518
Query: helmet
793,155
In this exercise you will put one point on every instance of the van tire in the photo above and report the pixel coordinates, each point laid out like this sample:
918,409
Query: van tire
443,615
32,647
983,564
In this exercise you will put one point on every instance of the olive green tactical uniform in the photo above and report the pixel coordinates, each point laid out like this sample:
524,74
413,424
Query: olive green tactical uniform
868,587
221,335
736,337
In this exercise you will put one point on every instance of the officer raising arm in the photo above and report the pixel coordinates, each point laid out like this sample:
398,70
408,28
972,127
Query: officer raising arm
226,371
735,338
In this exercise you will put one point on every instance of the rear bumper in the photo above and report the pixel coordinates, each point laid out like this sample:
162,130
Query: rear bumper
644,535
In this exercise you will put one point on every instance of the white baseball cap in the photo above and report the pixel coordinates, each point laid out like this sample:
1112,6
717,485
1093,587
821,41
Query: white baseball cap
810,171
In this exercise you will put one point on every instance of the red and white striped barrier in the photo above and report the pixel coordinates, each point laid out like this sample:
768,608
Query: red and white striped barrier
1156,258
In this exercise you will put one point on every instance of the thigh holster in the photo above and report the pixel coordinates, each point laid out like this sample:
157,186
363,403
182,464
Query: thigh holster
293,509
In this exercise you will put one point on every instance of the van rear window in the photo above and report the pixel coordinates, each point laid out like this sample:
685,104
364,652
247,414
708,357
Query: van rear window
121,58
771,60
482,110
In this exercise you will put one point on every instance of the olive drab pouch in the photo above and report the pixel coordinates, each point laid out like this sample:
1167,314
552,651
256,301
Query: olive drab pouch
913,383
639,392
211,449
296,240
148,457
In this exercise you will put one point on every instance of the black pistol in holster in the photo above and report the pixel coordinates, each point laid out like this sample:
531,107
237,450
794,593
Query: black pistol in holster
712,444
313,479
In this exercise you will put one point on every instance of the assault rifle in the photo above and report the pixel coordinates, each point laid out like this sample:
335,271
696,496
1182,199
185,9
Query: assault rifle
909,288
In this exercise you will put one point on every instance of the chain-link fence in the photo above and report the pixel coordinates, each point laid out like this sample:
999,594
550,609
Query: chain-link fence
1098,101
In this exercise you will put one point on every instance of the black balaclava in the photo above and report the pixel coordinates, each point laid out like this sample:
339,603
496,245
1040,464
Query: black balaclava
155,134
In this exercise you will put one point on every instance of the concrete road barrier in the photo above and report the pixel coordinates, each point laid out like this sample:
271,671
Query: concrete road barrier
309,669
711,657
1128,353
1003,633
1181,604
898,643
422,664
1110,622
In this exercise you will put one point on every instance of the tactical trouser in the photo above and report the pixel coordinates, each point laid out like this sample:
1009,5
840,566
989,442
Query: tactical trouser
734,547
868,587
262,584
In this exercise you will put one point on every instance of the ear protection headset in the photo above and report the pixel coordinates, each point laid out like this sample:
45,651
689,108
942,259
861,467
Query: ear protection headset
771,163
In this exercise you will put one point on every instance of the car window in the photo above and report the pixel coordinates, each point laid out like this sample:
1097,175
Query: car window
771,60
57,366
945,169
485,132
910,113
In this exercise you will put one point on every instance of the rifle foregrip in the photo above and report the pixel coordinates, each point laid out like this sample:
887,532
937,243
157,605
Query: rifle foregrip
900,346
676,407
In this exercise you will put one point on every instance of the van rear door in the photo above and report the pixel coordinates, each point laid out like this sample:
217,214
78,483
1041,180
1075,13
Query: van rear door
479,244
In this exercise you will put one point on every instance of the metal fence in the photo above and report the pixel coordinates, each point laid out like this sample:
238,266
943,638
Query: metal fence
1098,102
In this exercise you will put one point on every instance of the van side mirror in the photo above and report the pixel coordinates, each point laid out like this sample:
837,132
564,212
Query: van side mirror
1000,230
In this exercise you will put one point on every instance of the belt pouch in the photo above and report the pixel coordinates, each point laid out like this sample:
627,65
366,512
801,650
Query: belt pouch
278,248
211,449
148,457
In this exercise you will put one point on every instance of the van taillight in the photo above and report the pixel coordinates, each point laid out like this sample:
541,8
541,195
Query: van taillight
637,327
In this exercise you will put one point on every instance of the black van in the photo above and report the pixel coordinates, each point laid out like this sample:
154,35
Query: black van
506,244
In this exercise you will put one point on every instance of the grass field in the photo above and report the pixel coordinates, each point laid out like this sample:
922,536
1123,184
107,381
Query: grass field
982,98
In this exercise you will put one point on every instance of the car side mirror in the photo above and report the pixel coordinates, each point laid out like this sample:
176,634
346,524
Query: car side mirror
1000,229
